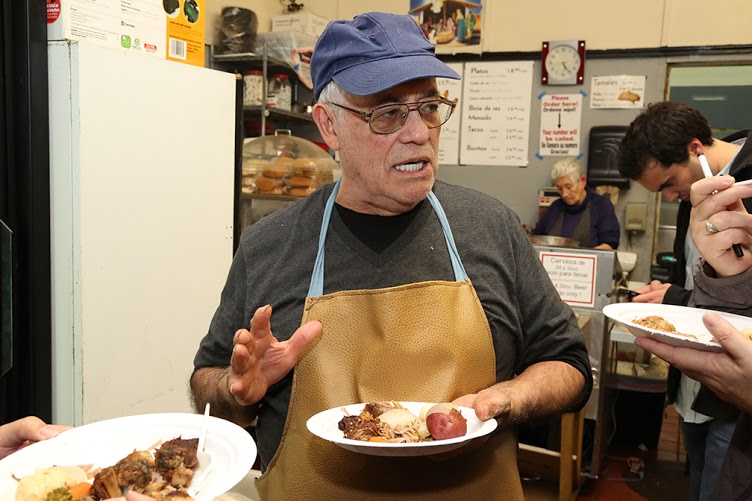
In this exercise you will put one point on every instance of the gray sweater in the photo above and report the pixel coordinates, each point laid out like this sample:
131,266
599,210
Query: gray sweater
274,262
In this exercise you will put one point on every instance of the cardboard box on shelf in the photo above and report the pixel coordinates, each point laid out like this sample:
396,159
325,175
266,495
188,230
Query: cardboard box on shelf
304,22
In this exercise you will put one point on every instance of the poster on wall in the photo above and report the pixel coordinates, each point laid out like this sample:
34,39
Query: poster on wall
453,26
618,91
496,113
167,29
449,146
561,117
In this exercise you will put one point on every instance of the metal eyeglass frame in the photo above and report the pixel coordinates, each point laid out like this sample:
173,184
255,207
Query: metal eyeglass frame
366,115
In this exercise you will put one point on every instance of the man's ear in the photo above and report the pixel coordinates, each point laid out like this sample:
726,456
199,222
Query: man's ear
695,147
326,122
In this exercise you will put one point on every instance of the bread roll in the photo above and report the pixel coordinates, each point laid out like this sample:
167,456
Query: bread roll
300,181
283,162
304,167
276,172
265,183
304,162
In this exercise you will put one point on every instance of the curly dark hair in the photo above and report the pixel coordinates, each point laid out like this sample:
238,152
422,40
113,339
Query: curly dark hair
661,132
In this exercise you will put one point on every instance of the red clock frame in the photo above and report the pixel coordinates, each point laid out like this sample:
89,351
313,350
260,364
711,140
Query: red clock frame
580,50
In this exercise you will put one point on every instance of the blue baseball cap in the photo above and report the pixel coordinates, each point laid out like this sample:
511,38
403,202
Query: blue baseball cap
374,52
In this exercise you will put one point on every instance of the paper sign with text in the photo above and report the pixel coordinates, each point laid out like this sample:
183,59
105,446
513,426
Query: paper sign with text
449,146
560,125
166,29
573,275
618,91
496,113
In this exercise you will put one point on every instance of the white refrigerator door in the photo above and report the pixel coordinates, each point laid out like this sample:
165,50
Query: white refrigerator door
141,154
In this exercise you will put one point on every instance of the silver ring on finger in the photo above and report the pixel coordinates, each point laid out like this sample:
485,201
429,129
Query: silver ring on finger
710,227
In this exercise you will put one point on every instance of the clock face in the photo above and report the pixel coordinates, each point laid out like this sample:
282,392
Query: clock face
563,63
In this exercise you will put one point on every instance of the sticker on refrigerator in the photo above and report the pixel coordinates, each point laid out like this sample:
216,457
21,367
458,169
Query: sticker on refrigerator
168,29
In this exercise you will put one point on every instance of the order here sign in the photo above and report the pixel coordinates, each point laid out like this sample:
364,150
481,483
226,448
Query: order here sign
561,116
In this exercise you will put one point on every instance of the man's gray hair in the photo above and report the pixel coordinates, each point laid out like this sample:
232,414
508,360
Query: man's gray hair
570,167
333,93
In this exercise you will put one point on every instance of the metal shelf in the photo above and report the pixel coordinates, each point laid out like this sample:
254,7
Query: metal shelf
252,60
277,113
275,198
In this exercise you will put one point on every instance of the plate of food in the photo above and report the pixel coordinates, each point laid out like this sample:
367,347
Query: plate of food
674,325
160,446
391,428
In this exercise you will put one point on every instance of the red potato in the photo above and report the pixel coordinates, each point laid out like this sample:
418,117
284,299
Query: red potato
445,421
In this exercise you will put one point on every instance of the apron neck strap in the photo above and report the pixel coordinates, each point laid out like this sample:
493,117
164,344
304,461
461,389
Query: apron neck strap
317,279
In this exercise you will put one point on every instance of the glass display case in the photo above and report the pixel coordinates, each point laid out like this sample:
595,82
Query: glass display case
279,169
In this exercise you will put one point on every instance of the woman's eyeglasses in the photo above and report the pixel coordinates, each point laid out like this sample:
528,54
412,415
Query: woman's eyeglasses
389,118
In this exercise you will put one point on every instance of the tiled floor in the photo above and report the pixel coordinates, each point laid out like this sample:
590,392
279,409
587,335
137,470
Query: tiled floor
671,446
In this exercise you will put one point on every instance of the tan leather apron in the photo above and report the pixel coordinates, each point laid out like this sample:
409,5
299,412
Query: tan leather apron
427,341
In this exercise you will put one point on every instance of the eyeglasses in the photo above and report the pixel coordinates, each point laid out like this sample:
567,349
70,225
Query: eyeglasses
389,118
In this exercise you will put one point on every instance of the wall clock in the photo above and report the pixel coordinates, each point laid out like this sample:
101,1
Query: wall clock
563,62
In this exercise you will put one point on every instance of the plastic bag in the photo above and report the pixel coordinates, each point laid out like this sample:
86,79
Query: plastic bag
237,31
292,47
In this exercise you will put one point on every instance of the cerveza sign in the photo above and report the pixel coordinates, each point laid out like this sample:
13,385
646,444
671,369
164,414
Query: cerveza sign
573,275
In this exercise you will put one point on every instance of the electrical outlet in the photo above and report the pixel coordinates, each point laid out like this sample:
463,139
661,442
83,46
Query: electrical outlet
636,217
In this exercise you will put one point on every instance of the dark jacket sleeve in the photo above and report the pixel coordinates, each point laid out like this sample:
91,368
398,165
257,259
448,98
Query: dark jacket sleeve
547,221
607,226
677,295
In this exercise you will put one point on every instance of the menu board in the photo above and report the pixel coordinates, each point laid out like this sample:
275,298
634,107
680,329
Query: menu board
449,145
496,113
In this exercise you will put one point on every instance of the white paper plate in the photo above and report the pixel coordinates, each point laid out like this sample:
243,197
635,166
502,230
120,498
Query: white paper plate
324,425
686,321
104,443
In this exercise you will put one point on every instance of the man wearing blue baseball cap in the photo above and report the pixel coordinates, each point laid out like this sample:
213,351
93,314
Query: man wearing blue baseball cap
409,289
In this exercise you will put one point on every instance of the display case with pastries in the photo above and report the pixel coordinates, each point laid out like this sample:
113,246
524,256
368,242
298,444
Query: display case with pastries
285,165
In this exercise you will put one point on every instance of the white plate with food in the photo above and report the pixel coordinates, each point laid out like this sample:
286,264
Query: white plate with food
325,425
674,325
104,443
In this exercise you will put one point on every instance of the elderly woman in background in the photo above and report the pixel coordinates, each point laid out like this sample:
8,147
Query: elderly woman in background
580,214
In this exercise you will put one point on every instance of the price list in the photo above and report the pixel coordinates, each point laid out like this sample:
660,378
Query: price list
496,113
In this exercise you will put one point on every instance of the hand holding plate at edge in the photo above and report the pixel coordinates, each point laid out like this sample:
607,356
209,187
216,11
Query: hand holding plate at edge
25,431
728,374
719,220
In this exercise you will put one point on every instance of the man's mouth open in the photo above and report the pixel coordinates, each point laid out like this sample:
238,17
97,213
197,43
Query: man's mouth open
410,167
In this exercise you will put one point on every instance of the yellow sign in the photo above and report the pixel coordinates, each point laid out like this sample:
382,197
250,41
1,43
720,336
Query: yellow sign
185,32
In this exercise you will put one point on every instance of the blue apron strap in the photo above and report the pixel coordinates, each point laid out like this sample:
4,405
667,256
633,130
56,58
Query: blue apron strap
459,270
317,279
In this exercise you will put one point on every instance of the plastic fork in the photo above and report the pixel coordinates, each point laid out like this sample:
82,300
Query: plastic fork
204,459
